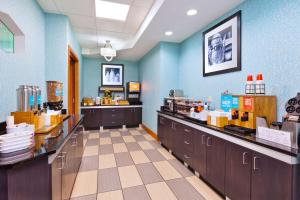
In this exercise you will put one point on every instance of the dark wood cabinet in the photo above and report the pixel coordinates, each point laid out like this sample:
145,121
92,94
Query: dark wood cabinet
92,118
200,153
111,117
238,172
56,171
271,178
215,162
234,171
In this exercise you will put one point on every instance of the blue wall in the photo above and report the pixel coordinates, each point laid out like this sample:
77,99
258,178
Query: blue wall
27,67
270,41
59,35
158,74
269,46
91,74
47,37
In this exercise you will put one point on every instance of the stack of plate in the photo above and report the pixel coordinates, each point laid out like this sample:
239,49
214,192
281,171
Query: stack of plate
17,138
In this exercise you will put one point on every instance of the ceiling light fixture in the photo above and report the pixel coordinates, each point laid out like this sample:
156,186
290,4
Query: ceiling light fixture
108,52
110,10
168,33
192,12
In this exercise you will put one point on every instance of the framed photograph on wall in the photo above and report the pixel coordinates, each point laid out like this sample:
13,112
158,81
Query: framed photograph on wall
112,74
222,47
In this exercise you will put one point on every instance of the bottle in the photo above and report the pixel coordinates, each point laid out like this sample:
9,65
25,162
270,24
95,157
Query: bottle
249,85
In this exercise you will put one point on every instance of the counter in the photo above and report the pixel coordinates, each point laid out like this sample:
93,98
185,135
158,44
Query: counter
43,146
112,106
284,153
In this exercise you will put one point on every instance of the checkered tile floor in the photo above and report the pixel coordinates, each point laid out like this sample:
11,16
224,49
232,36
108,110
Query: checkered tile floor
131,165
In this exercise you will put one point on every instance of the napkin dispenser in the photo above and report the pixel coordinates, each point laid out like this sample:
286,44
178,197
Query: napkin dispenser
288,133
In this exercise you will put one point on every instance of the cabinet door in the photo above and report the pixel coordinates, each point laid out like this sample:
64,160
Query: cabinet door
133,116
67,172
184,143
92,118
215,162
200,153
56,175
271,179
161,123
238,172
168,131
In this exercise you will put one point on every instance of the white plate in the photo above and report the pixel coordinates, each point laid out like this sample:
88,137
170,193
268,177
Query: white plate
15,148
16,140
15,143
14,136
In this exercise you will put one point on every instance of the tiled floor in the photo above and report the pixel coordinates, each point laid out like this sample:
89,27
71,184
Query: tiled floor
131,165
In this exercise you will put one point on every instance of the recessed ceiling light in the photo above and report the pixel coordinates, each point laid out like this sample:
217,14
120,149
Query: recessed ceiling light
168,33
111,10
192,12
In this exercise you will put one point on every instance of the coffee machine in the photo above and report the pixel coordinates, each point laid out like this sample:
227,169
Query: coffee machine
250,107
133,93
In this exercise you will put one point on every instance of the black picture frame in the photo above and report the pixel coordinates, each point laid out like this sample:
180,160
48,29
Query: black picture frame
115,66
238,52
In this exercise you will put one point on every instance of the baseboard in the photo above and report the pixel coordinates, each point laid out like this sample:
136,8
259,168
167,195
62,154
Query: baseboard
150,132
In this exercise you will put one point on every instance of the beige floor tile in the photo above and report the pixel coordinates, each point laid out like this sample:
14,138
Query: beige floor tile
166,170
128,139
145,145
85,184
94,135
165,154
119,148
115,134
148,137
129,176
107,161
158,191
104,141
203,189
91,151
113,195
139,157
134,132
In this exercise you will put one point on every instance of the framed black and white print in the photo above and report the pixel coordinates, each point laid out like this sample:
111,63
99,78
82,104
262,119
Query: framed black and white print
222,47
112,75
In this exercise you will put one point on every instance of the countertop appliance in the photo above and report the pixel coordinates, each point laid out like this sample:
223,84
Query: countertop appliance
174,93
133,92
252,106
54,95
25,98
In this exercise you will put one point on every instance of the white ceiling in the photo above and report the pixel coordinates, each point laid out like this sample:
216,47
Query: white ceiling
145,25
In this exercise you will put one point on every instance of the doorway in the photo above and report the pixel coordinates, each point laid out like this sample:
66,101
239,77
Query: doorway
73,64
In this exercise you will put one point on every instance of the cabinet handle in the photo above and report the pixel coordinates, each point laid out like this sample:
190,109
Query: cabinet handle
61,157
207,141
244,158
202,138
113,115
174,125
254,163
187,130
186,142
186,157
74,142
113,110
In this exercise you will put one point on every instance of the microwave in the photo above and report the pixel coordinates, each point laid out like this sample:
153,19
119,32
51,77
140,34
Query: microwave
169,104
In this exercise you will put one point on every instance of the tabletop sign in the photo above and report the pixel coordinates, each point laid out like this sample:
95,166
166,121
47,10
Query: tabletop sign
226,102
235,102
248,103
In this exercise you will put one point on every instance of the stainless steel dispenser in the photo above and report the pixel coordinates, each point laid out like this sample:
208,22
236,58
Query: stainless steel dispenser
24,98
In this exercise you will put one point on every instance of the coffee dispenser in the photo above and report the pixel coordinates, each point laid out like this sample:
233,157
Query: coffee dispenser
252,106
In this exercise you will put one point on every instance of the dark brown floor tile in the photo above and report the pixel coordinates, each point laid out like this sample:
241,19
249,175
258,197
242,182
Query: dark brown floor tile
104,134
125,133
89,163
154,155
92,142
106,149
136,193
148,173
116,140
184,171
123,159
183,190
108,180
133,146
88,197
